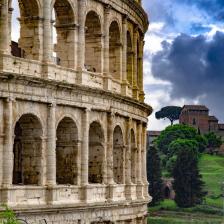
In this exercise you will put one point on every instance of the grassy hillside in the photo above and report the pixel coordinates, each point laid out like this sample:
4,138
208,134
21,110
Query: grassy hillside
212,171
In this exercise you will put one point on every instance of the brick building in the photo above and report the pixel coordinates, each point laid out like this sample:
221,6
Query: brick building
198,117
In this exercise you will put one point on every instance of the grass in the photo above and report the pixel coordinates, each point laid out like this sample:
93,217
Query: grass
212,170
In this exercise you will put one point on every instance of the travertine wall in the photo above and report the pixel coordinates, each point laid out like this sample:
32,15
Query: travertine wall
73,133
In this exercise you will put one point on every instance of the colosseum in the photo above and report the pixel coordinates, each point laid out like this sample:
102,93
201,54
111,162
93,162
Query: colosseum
72,113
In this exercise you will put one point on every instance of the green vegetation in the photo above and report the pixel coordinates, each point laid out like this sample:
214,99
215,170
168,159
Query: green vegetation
212,170
171,112
154,175
187,182
8,216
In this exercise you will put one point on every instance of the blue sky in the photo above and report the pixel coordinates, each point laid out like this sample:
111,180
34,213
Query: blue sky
184,53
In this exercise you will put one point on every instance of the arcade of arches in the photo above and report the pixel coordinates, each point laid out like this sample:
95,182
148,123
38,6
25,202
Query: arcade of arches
100,42
72,113
28,152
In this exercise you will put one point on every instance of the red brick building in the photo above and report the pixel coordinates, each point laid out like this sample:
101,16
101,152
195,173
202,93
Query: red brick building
198,117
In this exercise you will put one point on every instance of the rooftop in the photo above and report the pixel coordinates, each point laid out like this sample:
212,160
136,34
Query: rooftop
196,107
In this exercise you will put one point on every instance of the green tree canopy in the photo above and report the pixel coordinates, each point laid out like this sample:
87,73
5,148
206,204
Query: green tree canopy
170,112
213,141
172,133
187,183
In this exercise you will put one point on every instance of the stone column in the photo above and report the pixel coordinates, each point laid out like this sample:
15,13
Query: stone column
139,164
8,143
79,160
110,179
106,57
128,182
85,147
51,146
9,27
140,85
85,155
124,56
144,163
4,47
81,35
135,64
47,32
110,173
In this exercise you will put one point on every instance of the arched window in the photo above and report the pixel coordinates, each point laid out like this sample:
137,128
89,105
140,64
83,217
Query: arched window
27,151
133,158
64,34
25,32
93,43
115,50
67,152
118,156
130,59
96,153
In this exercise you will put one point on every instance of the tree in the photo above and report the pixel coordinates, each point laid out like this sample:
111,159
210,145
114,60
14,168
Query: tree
187,183
170,112
172,133
213,141
154,175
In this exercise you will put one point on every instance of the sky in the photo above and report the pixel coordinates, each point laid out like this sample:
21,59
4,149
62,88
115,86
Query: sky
184,55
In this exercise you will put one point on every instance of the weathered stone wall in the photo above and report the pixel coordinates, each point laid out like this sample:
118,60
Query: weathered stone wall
73,133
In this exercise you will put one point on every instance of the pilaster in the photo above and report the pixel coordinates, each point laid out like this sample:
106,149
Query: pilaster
4,29
8,143
139,188
47,32
81,35
124,56
106,55
51,146
135,64
85,154
128,182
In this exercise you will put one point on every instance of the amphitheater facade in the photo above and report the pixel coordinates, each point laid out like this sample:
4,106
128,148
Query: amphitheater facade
72,114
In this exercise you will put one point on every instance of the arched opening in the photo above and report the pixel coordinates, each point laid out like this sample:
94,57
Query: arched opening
167,192
115,50
133,158
27,150
96,153
67,152
118,155
93,43
25,25
130,59
64,34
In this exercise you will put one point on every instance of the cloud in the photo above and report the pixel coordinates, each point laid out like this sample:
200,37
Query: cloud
194,66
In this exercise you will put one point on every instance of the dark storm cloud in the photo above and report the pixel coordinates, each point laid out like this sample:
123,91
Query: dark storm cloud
195,67
186,15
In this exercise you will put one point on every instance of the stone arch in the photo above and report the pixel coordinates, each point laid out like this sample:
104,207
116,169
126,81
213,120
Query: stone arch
93,42
130,58
65,33
118,155
67,152
115,50
27,149
133,157
96,153
29,42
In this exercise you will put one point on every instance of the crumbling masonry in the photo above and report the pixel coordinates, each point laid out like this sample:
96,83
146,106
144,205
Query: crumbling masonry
73,126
